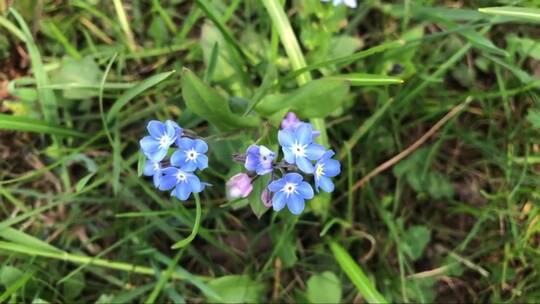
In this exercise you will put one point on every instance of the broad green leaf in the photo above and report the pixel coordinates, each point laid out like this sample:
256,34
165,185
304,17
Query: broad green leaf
135,91
19,237
210,105
363,284
416,239
212,39
533,116
236,289
317,99
78,72
73,287
9,275
359,79
254,198
324,288
24,124
524,13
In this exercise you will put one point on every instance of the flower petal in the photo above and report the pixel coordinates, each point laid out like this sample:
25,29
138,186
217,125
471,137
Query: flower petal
157,179
200,146
251,162
304,190
155,128
158,155
278,201
285,138
188,166
168,181
170,128
178,158
277,185
315,151
148,168
332,168
253,150
288,155
326,184
295,204
303,134
182,191
149,144
185,143
194,182
202,162
304,164
293,178
263,168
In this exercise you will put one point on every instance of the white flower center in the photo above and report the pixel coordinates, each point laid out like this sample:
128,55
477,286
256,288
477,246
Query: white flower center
289,188
164,141
319,171
181,176
192,154
298,149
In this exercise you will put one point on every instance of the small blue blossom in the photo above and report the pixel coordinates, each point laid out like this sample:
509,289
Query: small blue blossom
191,155
184,183
349,3
152,168
325,168
290,190
259,159
162,136
298,147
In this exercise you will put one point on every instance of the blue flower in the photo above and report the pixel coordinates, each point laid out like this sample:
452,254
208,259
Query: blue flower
184,183
290,190
325,168
259,159
152,168
162,136
349,3
298,147
191,155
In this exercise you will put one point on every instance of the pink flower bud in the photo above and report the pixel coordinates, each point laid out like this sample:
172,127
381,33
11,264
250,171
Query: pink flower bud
239,186
266,199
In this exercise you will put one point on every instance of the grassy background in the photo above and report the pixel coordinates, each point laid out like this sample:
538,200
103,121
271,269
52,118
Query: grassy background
453,219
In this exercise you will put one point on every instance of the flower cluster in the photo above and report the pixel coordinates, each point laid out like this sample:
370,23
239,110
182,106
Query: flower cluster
301,158
177,173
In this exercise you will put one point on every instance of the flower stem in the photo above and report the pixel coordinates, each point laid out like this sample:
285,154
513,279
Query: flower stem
195,229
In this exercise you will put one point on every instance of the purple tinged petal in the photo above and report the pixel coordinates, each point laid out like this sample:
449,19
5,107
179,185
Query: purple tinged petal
200,146
305,191
278,201
304,164
251,162
295,204
266,198
239,186
285,138
290,121
263,168
303,134
253,149
156,128
315,151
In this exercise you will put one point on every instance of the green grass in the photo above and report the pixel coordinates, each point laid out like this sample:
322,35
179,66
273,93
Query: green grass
432,108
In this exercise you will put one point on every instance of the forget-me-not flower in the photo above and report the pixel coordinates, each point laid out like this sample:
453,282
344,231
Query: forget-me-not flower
162,136
291,122
191,155
325,168
184,183
290,190
259,159
152,168
298,147
349,3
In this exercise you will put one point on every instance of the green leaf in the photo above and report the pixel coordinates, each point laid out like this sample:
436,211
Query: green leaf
78,72
213,44
359,79
524,13
9,275
24,124
22,238
135,91
141,161
82,182
210,105
324,288
236,289
533,116
416,240
525,46
317,99
363,284
482,42
73,287
254,198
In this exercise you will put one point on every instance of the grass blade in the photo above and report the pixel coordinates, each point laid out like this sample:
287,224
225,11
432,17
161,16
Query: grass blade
359,79
364,285
24,124
134,91
531,14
